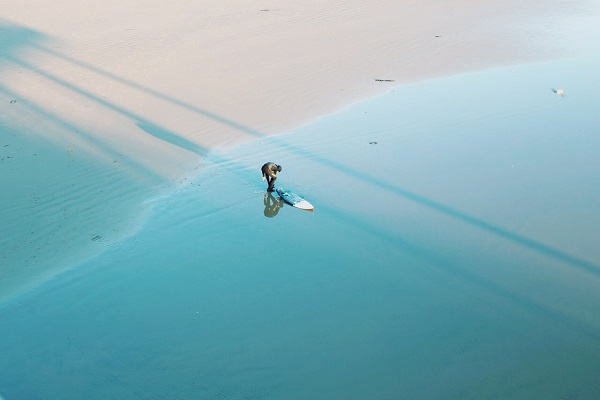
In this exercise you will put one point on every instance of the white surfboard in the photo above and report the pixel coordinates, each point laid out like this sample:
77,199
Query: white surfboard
294,200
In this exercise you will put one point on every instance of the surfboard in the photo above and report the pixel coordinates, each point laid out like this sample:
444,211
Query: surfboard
294,200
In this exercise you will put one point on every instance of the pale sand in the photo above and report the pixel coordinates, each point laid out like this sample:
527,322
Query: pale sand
106,103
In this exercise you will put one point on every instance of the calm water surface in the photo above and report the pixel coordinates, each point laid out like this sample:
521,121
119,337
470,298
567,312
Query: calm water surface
452,254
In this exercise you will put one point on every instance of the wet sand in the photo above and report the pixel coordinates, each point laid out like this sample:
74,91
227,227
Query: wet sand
105,104
452,252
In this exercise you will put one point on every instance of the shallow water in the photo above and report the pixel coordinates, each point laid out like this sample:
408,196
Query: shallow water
452,253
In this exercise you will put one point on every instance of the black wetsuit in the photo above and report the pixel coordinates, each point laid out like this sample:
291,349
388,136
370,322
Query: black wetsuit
269,171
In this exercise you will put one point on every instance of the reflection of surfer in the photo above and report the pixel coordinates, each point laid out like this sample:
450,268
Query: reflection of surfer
272,205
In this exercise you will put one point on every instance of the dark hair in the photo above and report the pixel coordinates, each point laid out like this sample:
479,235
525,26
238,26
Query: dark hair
279,168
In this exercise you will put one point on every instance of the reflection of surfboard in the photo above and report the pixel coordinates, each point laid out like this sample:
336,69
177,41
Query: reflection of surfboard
294,200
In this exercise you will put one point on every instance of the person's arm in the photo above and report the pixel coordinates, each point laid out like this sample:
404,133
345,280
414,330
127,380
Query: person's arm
272,173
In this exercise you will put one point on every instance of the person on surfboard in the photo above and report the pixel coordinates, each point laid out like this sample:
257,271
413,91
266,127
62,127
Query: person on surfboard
269,173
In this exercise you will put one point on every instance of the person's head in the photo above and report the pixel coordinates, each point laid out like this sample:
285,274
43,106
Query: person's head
279,168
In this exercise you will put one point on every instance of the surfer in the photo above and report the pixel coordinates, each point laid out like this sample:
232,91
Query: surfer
272,205
269,173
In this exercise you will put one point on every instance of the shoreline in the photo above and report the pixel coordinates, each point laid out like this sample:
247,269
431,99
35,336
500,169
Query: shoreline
268,70
467,240
115,114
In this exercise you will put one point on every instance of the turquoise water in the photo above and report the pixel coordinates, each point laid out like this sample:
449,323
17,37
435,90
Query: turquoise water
452,254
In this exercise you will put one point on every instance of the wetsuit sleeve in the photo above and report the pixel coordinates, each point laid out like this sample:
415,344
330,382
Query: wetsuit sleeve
271,172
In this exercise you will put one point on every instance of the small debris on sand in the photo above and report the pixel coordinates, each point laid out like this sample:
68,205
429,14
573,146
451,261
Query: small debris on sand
384,80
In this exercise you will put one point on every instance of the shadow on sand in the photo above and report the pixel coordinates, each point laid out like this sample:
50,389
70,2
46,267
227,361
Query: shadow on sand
16,40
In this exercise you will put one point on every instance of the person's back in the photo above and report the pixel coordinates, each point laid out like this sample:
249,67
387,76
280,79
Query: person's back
269,173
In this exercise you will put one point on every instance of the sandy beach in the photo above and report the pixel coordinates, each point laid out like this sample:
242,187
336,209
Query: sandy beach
453,249
108,103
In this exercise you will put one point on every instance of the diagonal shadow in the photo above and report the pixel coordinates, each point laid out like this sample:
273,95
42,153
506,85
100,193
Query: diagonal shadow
152,92
449,211
62,124
109,105
174,139
171,138
447,267
165,135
